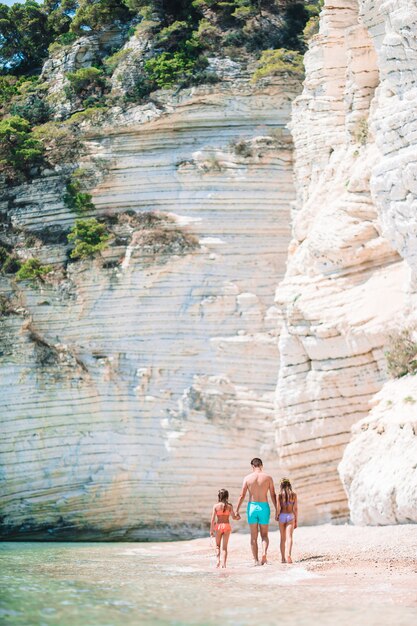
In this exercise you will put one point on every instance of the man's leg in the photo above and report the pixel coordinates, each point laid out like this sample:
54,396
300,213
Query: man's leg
254,541
265,541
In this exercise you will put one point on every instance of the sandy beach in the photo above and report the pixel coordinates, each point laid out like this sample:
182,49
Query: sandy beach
341,575
376,561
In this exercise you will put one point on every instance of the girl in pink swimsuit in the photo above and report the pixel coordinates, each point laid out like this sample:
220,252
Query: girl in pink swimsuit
220,525
287,518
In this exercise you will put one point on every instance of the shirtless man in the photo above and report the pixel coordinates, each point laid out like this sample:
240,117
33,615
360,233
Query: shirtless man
258,483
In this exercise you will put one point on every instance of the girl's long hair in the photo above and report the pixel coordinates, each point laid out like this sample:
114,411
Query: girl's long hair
286,494
223,496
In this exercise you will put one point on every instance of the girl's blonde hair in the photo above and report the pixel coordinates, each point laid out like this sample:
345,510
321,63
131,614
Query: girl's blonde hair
286,494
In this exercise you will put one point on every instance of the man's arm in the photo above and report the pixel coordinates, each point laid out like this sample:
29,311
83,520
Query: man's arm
242,496
235,515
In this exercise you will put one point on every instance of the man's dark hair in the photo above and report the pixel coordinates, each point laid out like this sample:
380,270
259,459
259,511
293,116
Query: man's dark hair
256,462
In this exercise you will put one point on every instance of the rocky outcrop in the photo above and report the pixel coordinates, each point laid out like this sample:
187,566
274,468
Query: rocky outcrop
84,52
346,282
144,381
379,466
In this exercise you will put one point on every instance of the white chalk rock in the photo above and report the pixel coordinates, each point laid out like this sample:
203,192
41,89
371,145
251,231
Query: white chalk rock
379,465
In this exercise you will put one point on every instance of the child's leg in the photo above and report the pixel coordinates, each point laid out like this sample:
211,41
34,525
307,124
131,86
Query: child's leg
225,541
218,540
289,532
282,542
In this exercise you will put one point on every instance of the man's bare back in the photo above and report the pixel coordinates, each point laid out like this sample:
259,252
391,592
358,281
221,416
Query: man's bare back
258,484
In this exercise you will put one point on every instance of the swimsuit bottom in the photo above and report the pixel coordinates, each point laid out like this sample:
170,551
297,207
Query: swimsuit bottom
223,527
286,518
258,512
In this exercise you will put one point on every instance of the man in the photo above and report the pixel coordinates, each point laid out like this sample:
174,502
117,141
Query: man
258,483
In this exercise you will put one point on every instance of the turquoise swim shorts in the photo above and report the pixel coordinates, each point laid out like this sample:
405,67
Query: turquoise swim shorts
258,512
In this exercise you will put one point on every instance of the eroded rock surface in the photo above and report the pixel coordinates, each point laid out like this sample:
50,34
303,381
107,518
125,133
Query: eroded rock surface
348,271
144,381
379,466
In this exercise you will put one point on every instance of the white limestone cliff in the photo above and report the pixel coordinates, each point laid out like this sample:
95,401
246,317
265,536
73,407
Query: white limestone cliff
347,281
379,466
141,382
144,382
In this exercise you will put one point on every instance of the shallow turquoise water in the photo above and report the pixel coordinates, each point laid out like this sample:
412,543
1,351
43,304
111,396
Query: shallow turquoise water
112,584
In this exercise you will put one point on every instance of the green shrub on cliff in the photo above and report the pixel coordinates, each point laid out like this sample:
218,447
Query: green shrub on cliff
28,28
86,82
169,68
112,61
32,269
94,14
76,199
66,39
23,96
281,61
361,131
9,263
401,353
311,28
19,150
9,87
173,35
60,140
88,237
33,108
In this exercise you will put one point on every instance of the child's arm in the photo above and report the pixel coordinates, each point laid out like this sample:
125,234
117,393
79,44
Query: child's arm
235,515
278,508
242,496
213,519
295,509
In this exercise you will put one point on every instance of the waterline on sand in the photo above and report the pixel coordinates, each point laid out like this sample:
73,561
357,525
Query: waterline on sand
342,575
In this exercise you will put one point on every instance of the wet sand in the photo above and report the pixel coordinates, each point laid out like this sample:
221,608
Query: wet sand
341,576
367,561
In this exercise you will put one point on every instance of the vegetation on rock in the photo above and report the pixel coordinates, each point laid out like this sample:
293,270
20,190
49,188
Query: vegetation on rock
16,90
275,62
19,149
361,131
401,353
75,198
95,14
87,84
60,141
9,263
89,237
6,306
32,269
169,68
27,29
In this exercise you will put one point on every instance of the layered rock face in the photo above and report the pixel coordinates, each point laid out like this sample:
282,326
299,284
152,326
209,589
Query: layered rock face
144,381
379,467
347,279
